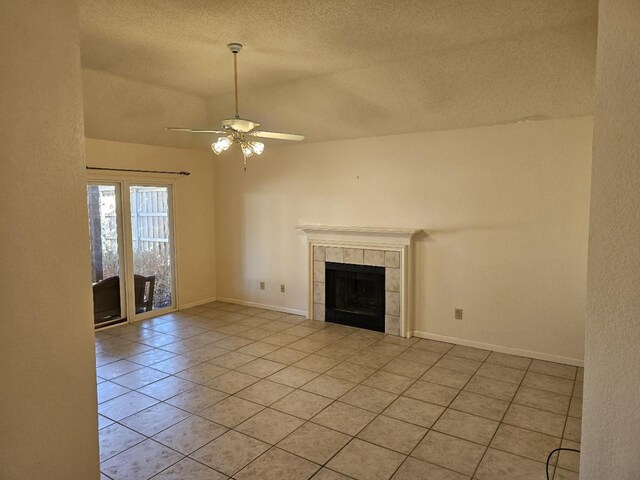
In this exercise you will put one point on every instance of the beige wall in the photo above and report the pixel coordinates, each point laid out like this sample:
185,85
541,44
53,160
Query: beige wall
48,418
505,208
194,215
611,425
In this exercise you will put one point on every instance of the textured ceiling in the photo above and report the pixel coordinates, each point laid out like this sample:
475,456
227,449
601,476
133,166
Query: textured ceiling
333,69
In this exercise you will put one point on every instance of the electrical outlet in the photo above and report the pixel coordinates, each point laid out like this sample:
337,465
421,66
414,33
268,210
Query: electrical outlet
282,288
458,313
261,285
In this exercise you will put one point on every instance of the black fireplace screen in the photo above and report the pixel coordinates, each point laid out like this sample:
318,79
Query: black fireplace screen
355,295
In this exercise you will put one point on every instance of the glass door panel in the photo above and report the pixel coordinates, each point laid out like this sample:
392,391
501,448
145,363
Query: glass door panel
152,247
108,290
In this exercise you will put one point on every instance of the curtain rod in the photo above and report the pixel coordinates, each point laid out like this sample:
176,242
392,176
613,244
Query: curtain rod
139,171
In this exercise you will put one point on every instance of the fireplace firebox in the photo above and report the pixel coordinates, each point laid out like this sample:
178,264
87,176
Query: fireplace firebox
355,295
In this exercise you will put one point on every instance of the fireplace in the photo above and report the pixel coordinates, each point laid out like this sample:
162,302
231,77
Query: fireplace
355,295
389,250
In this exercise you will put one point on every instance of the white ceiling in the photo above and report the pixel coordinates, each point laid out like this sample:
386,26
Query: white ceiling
333,69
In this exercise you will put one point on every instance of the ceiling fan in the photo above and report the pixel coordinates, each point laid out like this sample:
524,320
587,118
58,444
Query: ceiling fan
240,130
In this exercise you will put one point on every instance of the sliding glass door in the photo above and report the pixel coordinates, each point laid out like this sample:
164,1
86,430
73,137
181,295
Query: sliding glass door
132,251
105,234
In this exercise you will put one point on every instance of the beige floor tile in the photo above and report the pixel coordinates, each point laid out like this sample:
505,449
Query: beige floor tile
414,469
190,434
202,373
286,356
175,364
232,342
308,345
513,361
502,373
108,390
492,388
368,398
533,445
469,352
264,392
197,399
154,419
534,419
405,368
467,426
434,345
420,355
393,434
231,411
562,474
231,360
548,382
269,425
573,429
115,439
368,359
326,474
317,363
256,334
293,376
314,442
453,453
258,349
261,368
141,461
480,405
344,418
230,452
328,386
281,339
205,353
336,352
351,372
365,461
497,464
116,369
389,382
458,364
302,404
277,464
448,378
432,393
414,411
149,357
569,460
167,388
232,382
575,408
125,405
191,470
555,369
578,389
542,399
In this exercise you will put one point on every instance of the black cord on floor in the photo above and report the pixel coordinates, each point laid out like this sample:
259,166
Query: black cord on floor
557,450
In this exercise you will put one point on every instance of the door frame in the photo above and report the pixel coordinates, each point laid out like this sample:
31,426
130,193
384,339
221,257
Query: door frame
124,182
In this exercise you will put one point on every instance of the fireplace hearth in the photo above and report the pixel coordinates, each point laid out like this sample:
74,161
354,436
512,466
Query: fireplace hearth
355,295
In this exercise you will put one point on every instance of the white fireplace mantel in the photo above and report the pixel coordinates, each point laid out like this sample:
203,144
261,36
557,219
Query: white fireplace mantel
387,247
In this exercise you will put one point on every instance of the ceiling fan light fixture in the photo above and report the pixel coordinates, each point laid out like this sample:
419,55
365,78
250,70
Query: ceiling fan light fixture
247,149
258,147
222,144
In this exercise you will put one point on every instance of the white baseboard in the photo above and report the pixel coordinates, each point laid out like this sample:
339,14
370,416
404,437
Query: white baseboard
500,348
197,303
277,308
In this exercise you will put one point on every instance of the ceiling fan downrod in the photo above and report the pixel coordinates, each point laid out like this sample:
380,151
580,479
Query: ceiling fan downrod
235,48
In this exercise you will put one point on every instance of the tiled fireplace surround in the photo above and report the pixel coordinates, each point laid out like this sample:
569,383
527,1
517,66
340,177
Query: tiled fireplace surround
390,248
358,256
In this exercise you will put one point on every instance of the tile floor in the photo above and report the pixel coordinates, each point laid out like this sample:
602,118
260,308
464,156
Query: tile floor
226,391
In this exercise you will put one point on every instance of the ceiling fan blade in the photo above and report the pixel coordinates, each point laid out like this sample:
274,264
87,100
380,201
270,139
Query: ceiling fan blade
278,136
193,130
